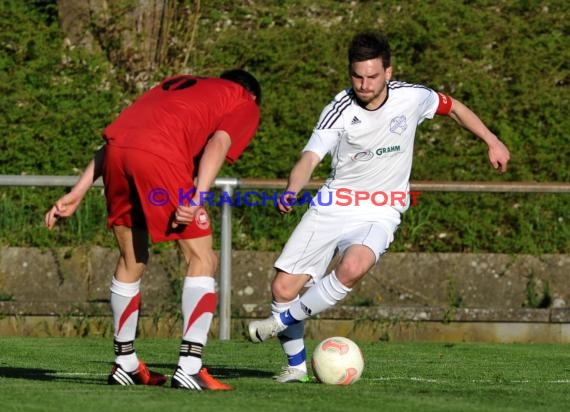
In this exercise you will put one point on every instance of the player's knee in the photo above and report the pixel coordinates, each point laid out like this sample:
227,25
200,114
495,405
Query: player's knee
282,291
350,271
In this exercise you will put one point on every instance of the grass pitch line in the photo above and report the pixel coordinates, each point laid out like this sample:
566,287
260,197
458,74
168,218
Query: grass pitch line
446,382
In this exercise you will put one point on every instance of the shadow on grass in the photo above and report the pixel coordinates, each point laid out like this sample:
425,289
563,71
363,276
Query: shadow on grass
218,371
234,373
37,374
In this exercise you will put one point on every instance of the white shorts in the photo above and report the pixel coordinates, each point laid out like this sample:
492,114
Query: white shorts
325,229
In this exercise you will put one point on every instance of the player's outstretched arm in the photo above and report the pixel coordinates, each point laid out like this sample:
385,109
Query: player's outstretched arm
66,205
499,155
298,178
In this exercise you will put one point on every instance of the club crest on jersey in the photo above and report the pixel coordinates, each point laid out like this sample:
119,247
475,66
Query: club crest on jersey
398,124
202,219
363,156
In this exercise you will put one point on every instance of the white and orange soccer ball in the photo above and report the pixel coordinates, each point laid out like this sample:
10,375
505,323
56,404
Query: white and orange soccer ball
337,361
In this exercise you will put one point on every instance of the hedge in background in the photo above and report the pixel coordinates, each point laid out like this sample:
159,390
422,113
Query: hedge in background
507,60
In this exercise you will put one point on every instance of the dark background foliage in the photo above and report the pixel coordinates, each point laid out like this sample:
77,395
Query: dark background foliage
507,60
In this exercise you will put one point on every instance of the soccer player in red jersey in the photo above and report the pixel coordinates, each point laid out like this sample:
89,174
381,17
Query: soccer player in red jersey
175,135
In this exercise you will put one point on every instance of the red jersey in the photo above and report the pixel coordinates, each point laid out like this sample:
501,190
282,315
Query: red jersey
175,119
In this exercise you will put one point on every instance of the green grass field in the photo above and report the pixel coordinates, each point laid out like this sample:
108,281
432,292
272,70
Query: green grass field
69,374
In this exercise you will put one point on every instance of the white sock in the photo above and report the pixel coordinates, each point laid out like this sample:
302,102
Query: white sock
291,339
198,307
323,295
125,304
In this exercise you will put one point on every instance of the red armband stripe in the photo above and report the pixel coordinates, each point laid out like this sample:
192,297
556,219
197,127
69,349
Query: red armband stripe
444,106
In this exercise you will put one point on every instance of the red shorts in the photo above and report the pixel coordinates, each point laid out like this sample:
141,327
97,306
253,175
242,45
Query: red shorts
143,190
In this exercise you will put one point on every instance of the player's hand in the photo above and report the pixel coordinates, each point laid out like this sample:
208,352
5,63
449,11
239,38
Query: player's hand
65,206
286,202
184,215
499,156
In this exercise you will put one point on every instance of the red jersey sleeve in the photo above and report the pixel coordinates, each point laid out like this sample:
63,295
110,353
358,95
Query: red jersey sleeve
241,124
444,106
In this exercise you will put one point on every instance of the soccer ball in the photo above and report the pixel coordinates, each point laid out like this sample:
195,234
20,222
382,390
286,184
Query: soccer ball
337,361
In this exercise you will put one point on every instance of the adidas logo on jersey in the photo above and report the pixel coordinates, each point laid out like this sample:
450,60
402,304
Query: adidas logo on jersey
355,120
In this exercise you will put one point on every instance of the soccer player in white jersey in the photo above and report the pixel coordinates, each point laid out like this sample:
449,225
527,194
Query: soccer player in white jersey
369,131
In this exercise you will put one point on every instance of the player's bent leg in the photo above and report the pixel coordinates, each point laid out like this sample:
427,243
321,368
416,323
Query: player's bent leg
324,294
327,291
285,288
355,263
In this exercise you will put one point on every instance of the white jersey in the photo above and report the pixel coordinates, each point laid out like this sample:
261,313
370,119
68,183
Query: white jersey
372,150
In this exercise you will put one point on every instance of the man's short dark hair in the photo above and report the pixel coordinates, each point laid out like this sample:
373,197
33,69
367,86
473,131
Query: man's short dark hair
246,79
369,45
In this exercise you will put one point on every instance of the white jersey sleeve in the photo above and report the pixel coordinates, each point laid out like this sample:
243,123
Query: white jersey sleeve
428,106
330,127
